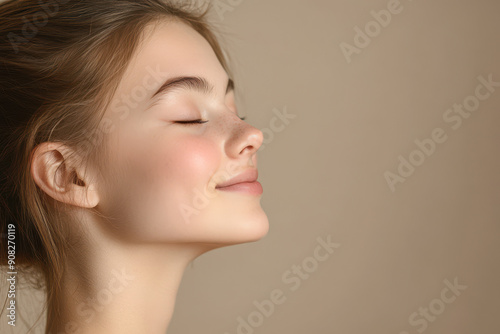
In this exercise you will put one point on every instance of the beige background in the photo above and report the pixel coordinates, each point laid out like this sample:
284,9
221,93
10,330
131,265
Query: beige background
323,173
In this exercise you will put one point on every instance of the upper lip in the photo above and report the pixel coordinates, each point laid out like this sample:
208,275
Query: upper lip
249,175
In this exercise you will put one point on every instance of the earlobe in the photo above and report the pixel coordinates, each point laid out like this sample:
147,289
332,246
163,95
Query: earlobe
60,177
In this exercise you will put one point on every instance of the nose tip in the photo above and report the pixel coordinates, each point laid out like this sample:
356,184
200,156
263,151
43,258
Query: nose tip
255,139
243,139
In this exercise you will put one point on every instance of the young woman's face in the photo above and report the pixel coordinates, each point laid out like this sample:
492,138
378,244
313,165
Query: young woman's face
166,172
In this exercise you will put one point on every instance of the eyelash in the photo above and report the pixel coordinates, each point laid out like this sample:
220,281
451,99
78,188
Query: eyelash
199,121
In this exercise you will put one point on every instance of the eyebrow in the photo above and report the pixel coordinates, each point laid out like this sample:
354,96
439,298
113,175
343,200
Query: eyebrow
197,84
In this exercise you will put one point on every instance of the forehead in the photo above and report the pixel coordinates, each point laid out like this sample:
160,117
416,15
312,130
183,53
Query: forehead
169,49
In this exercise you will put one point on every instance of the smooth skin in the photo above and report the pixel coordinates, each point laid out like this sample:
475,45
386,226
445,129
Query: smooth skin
123,274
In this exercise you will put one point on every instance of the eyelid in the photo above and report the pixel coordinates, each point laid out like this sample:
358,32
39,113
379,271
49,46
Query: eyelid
195,121
200,121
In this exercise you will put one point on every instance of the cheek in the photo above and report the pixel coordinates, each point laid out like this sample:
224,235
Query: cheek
173,162
190,160
159,179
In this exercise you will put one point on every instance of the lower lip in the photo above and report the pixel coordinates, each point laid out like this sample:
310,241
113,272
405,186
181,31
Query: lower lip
253,188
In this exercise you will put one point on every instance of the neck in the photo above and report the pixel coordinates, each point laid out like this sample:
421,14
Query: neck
122,288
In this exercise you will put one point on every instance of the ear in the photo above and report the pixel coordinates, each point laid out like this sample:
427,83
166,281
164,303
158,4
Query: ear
57,173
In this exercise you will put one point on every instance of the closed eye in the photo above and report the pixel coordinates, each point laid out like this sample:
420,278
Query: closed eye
196,121
200,121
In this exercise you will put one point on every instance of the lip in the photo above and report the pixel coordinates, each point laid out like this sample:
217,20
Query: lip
244,182
254,188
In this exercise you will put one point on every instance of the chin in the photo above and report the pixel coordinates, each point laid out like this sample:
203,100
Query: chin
238,229
251,230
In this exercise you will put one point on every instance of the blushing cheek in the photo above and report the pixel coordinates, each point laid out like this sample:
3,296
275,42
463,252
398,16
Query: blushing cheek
191,163
165,176
186,170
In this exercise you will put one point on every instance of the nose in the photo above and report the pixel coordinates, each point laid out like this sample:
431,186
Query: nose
245,140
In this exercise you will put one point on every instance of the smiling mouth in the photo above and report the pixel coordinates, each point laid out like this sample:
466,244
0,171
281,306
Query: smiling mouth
244,182
252,187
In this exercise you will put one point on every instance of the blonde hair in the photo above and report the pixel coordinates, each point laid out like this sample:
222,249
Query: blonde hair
61,62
